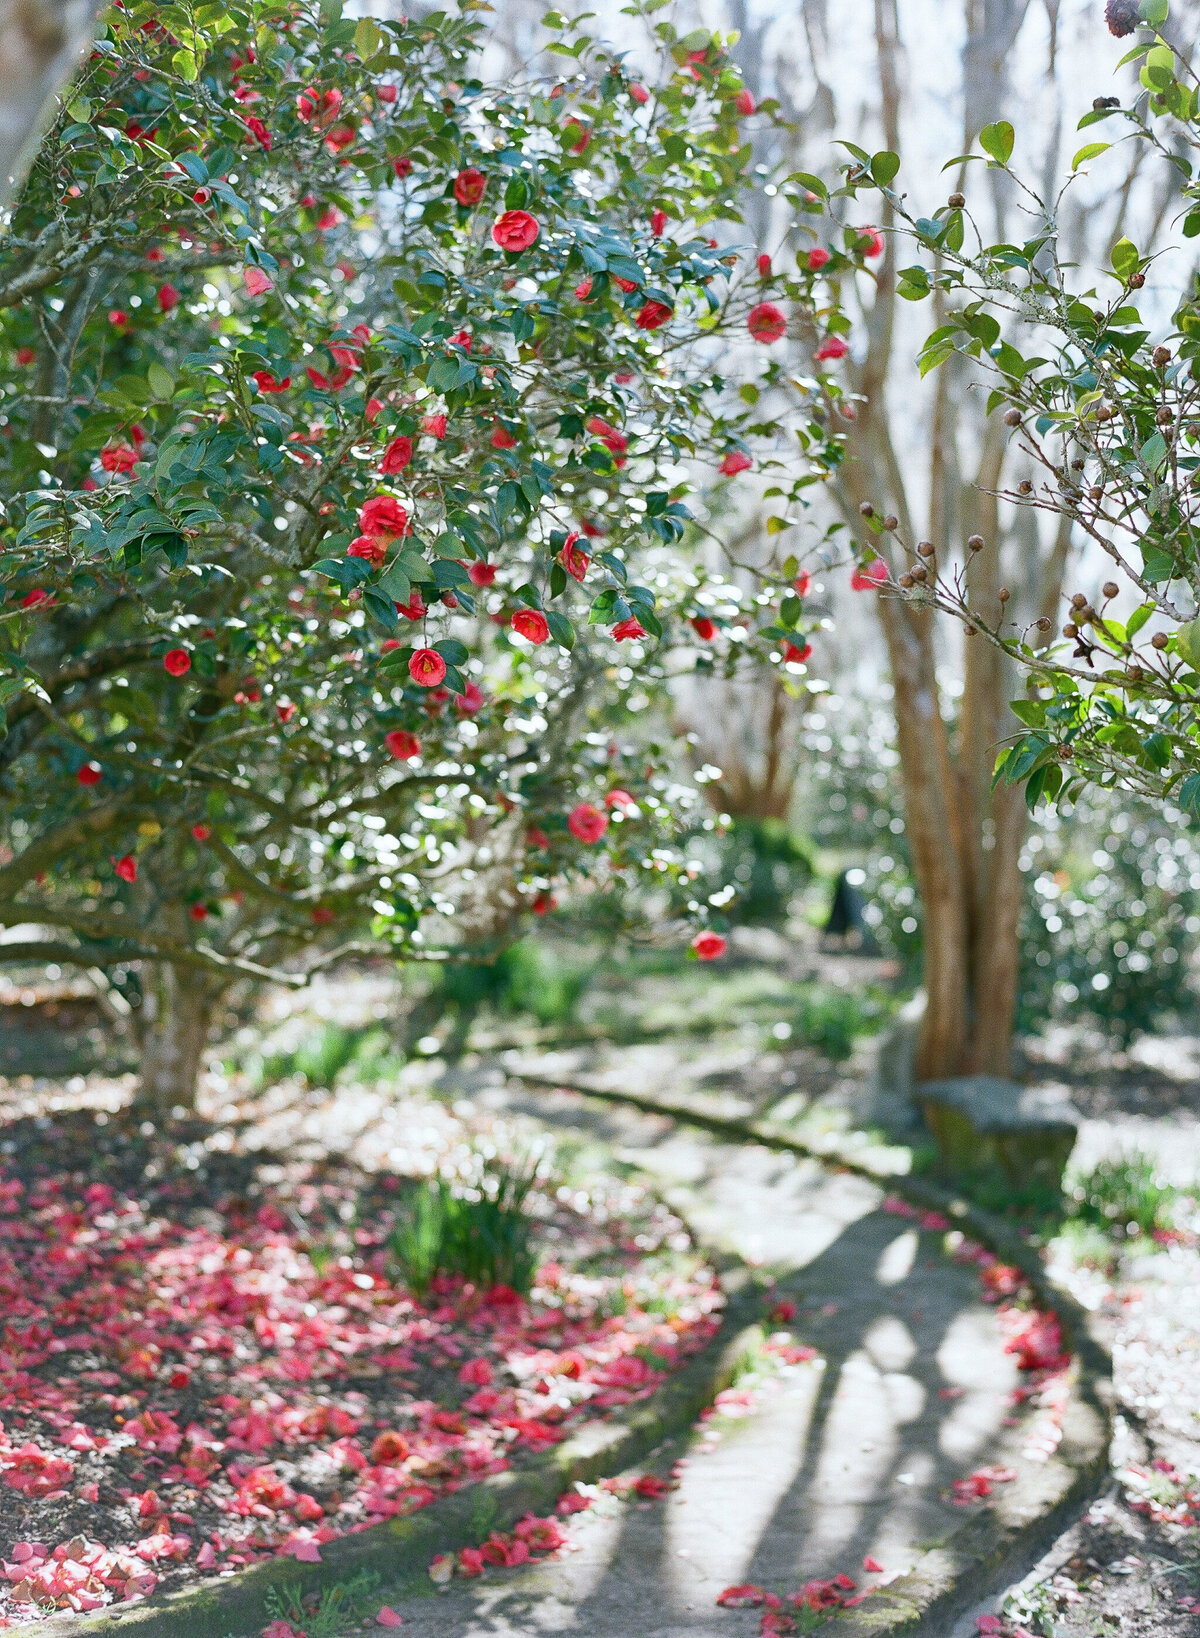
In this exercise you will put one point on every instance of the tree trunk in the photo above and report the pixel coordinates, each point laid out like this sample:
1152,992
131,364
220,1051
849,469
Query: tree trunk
41,45
176,1017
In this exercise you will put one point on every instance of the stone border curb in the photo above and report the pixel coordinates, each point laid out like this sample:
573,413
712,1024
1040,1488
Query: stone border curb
996,1544
227,1605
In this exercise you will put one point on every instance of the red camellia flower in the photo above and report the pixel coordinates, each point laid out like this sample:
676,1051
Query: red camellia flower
469,701
328,383
427,667
764,266
803,583
266,382
202,832
168,298
795,655
587,822
817,259
386,93
658,222
89,774
25,355
652,315
369,547
319,108
338,137
583,289
639,94
469,186
704,628
543,903
745,103
708,945
285,711
402,166
867,578
126,868
257,130
766,323
481,574
435,426
874,244
620,799
414,609
118,458
198,912
608,435
516,230
736,461
177,662
35,598
402,745
118,318
628,628
502,438
531,624
396,456
833,347
384,518
572,559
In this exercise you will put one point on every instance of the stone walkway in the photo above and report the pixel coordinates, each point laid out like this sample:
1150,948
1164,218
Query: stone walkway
837,1461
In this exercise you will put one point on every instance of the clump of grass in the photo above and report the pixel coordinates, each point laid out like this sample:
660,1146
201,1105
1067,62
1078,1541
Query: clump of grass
329,1612
832,1019
481,1233
1124,1194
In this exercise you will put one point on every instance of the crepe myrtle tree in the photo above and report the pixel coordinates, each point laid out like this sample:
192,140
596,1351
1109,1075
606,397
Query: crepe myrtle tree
349,408
1104,401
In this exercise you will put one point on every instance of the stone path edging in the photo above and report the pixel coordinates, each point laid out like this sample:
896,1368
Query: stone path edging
991,1547
231,1605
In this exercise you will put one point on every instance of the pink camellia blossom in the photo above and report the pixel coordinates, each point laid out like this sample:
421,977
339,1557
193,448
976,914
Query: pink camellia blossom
372,411
735,461
515,231
745,103
168,298
387,1617
574,561
817,258
639,94
119,319
625,630
652,315
764,265
874,241
587,823
469,701
481,574
384,518
708,945
869,577
386,94
319,108
583,289
427,668
402,745
766,323
469,186
435,426
396,456
177,662
369,547
476,1373
803,583
257,282
833,347
531,624
620,799
126,868
609,436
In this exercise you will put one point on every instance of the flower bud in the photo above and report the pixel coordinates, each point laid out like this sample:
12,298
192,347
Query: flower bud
1070,629
1161,356
1110,588
975,542
956,201
1012,418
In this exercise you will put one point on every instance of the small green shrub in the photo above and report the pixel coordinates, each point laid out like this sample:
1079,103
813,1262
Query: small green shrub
329,1612
480,1233
1124,1193
770,863
832,1019
524,978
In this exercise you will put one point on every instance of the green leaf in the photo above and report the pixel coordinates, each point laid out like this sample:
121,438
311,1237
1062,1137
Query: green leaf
884,167
380,608
1124,258
348,572
561,629
368,38
162,382
1158,749
452,651
1089,151
997,141
184,64
1188,795
1138,619
1154,12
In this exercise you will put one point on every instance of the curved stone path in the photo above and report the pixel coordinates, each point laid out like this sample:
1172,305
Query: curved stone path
834,1463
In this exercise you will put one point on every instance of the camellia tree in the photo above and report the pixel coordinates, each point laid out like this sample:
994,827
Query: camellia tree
348,409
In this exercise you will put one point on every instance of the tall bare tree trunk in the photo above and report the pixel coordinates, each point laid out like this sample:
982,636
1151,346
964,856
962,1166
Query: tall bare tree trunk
41,45
173,1030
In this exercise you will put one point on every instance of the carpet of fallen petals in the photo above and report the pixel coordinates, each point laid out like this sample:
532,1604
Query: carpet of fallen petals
202,1368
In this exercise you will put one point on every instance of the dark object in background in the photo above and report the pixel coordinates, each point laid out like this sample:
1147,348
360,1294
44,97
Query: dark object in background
846,919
